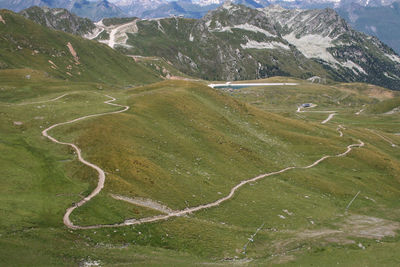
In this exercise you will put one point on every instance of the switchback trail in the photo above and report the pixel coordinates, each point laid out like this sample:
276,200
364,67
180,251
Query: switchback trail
101,176
333,113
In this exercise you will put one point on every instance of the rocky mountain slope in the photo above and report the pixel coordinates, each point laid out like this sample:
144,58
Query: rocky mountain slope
379,18
324,36
236,42
96,10
59,19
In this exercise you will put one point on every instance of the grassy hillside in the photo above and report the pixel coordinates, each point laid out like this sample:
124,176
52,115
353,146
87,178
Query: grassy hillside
385,106
334,96
28,45
184,144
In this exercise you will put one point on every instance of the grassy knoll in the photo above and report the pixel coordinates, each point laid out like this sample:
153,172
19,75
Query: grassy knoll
183,144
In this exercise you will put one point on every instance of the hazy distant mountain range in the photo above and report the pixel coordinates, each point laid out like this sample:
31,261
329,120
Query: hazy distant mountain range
382,21
95,9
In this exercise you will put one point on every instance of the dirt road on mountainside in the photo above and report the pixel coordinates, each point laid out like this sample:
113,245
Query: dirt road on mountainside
101,176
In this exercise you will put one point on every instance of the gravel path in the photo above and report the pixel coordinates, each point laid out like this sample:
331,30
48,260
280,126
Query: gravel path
333,113
217,202
329,118
100,172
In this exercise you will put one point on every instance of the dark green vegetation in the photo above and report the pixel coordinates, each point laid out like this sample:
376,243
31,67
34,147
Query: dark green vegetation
28,45
113,21
184,144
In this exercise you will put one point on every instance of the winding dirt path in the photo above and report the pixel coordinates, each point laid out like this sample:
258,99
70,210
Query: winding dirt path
101,176
359,112
333,113
38,102
212,204
329,118
339,129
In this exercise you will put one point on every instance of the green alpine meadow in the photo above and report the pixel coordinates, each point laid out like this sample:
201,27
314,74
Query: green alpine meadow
247,137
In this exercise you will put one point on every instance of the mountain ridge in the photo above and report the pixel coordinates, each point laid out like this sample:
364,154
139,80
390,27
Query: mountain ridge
265,42
94,10
59,19
259,42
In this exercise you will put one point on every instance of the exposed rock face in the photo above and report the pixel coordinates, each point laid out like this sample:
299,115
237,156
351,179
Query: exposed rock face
96,10
323,35
59,19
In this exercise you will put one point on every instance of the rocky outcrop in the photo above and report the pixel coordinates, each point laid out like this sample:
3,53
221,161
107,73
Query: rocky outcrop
59,19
